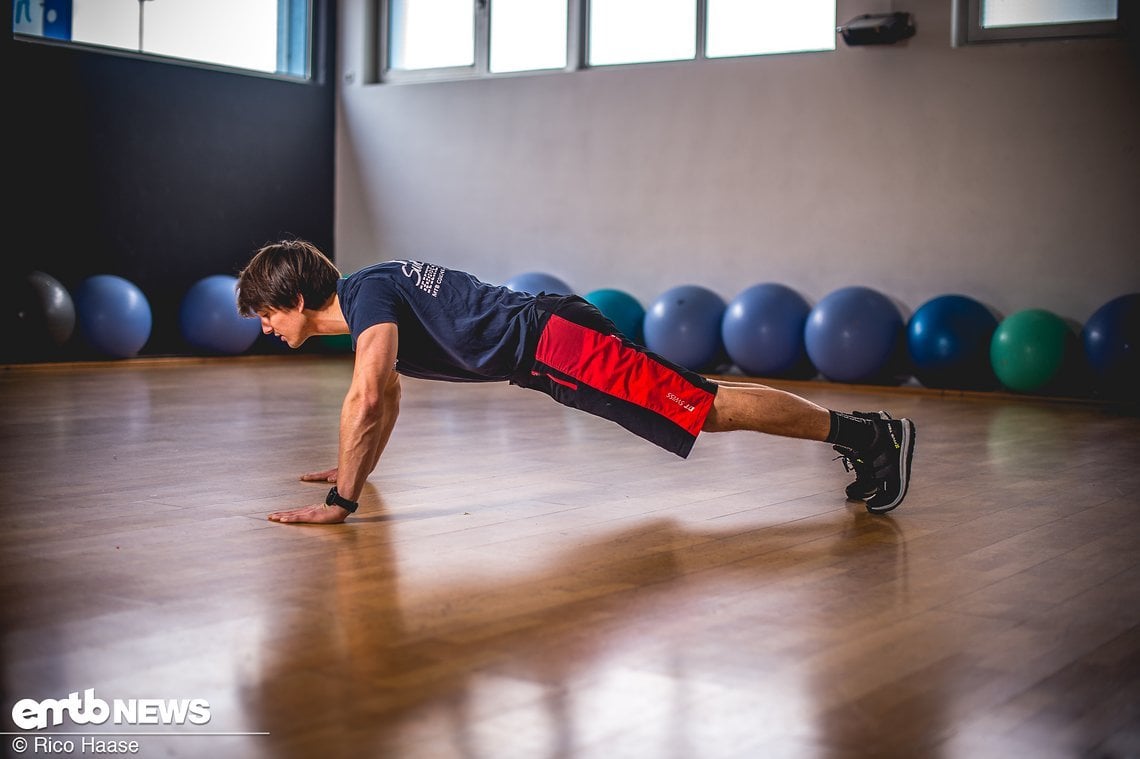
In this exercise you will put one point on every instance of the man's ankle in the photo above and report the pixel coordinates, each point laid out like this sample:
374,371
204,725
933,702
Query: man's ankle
850,432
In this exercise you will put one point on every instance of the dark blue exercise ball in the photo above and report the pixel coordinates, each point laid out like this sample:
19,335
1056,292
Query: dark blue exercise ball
624,310
1111,340
55,306
683,325
852,333
38,317
537,282
209,318
948,339
113,315
763,329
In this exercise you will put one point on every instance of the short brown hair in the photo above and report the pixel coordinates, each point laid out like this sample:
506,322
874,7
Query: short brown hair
281,272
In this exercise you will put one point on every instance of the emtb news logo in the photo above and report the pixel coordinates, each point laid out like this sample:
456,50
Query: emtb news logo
29,714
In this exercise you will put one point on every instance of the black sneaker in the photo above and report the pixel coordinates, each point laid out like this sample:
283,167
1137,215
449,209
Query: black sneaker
889,460
865,483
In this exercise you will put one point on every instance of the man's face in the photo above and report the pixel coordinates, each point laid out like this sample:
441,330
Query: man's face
287,324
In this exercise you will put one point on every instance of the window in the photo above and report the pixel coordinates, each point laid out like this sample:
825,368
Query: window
432,34
528,35
762,27
433,39
1001,20
430,39
640,31
258,35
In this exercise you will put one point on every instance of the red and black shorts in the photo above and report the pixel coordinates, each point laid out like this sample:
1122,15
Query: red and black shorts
581,360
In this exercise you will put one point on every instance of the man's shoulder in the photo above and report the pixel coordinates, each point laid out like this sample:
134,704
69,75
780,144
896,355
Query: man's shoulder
378,270
400,272
374,279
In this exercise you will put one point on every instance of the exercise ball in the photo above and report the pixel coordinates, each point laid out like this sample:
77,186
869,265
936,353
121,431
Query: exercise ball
763,329
55,307
113,315
209,318
683,326
537,282
852,333
624,310
948,339
39,316
336,343
1111,341
1028,349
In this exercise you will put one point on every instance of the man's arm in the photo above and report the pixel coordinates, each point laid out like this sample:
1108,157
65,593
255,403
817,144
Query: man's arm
366,420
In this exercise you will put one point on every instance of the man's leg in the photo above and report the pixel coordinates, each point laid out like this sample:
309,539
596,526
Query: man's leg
880,447
746,406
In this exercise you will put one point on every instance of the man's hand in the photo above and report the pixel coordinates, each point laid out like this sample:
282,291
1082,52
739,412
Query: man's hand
329,475
318,513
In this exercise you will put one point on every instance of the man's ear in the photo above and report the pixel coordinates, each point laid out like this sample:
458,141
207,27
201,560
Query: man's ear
300,305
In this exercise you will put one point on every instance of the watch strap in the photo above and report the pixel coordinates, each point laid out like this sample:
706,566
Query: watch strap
336,499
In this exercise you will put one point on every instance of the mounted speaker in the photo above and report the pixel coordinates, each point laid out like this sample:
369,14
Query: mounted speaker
878,29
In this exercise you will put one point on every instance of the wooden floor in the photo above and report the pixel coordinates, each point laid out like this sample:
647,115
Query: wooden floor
526,581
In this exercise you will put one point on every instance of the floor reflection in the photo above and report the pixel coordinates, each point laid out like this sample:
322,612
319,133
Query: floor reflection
615,648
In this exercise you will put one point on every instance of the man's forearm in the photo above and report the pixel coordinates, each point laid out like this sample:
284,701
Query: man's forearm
364,432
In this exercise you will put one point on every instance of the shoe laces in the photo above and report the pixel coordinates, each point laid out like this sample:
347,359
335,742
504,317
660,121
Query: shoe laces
852,462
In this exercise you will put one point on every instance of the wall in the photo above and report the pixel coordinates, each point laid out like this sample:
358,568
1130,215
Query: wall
158,172
1008,172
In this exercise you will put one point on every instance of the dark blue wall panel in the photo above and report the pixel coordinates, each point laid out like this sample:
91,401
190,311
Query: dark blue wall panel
159,172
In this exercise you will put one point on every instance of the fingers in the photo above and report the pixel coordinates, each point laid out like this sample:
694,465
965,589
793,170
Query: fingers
316,514
328,475
293,515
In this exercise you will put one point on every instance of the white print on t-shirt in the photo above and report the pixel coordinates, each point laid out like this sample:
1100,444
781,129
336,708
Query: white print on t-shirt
427,277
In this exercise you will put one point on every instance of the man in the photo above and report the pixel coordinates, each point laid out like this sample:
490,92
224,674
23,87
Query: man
426,321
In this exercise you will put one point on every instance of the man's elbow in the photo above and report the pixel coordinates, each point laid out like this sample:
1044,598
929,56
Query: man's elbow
380,403
392,392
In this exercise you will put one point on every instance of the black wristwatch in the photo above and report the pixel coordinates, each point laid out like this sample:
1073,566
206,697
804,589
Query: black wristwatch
336,499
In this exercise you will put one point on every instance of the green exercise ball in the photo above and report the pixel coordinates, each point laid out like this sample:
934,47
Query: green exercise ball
1029,349
336,343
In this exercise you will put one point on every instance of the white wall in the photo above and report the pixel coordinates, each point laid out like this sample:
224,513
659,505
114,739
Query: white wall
1010,173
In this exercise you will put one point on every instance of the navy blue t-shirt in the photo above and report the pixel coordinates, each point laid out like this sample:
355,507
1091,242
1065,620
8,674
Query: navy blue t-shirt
451,325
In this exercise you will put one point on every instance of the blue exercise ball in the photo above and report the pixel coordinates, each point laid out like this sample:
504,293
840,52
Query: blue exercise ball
624,310
113,315
852,333
537,282
209,318
683,326
1111,341
948,339
763,329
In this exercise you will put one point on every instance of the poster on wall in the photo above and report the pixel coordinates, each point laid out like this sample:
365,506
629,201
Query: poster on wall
42,18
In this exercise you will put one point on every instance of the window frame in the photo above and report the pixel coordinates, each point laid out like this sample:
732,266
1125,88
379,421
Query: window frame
969,30
481,68
287,47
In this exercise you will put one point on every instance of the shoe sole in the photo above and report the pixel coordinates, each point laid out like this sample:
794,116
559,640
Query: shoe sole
906,455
